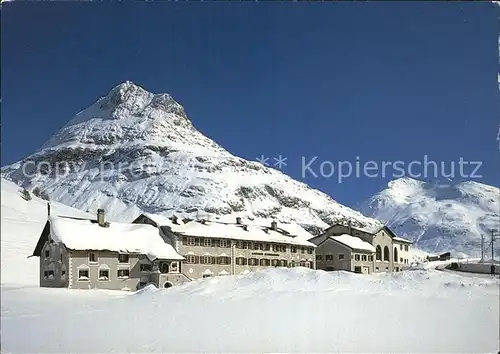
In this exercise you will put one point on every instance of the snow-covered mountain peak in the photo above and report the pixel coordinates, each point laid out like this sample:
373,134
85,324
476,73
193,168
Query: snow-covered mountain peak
134,151
131,116
439,216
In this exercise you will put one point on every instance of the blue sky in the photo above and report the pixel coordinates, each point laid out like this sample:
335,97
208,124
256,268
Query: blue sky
379,81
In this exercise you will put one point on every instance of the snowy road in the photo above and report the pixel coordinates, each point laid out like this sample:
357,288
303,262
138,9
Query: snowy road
467,274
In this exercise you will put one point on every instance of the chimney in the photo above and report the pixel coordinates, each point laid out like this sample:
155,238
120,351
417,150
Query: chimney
350,227
274,225
203,221
174,219
48,209
245,227
100,217
238,220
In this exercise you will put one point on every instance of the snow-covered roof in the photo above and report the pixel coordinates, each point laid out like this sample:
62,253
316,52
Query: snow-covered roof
400,239
117,237
213,229
354,242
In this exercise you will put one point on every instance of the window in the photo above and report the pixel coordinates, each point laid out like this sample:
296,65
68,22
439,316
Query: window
92,257
255,246
283,263
401,260
261,247
275,248
241,261
103,274
293,249
376,269
123,273
401,247
303,250
341,256
309,250
283,248
223,260
223,243
61,257
302,263
207,242
245,245
123,258
363,258
47,253
145,267
267,247
406,247
83,274
329,257
370,258
173,267
63,274
308,264
378,253
386,254
319,257
356,257
275,262
386,269
190,241
207,260
357,269
190,259
252,261
48,275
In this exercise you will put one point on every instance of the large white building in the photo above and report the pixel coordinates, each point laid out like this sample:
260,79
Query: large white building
213,248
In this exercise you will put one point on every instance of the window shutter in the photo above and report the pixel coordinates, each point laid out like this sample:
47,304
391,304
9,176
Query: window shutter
197,259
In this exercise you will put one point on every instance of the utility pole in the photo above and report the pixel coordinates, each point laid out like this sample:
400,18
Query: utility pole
482,248
492,249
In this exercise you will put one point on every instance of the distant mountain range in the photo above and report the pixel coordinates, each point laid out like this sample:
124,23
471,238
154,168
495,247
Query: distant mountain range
439,216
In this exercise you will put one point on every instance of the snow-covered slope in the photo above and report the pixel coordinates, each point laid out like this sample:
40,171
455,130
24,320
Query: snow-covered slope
134,151
272,311
22,223
438,216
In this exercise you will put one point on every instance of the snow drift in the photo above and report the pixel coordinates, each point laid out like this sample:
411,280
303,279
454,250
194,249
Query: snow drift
276,310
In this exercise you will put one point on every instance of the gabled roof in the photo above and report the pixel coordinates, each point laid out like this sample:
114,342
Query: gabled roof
41,240
117,237
353,242
403,240
285,233
369,230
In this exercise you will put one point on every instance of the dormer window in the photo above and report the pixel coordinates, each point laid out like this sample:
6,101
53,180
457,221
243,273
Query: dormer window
123,258
92,257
